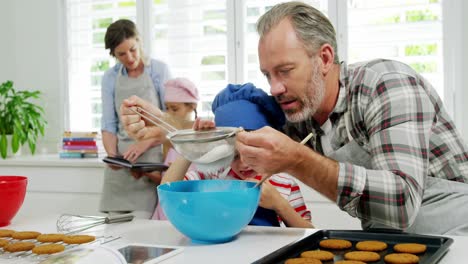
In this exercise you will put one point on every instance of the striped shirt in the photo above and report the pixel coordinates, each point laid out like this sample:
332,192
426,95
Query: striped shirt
284,183
396,116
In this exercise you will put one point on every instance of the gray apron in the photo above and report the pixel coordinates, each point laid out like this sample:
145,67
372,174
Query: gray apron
121,192
444,207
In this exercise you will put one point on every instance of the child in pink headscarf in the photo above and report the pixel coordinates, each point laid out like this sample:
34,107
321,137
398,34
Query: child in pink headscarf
181,99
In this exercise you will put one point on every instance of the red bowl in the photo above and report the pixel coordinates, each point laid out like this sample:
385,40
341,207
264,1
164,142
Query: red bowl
12,193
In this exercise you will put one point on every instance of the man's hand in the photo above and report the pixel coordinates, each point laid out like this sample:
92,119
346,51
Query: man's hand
137,127
267,151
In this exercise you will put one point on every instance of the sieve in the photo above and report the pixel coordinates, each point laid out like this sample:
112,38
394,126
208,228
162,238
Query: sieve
198,146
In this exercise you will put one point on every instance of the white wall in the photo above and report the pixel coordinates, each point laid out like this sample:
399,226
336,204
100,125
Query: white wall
31,49
462,100
6,47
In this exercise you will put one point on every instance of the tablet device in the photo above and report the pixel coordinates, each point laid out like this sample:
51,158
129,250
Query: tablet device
136,253
139,166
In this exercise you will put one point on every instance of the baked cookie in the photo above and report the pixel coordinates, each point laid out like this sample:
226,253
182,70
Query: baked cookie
366,256
3,242
349,262
78,239
401,258
413,248
371,245
48,249
23,235
51,238
322,255
19,246
6,232
335,244
302,261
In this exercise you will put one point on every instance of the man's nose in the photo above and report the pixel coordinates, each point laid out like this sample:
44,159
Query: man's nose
276,87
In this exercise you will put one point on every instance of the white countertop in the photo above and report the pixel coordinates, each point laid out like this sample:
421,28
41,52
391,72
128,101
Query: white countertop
251,244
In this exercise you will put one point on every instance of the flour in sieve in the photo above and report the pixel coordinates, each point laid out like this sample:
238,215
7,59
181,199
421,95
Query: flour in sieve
216,153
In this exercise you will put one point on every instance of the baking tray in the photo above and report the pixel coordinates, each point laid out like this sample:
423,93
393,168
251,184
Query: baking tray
437,246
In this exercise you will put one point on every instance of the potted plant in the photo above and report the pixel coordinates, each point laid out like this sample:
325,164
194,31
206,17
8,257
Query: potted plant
20,119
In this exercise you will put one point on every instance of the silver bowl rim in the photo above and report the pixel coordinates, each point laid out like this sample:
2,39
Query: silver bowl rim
225,132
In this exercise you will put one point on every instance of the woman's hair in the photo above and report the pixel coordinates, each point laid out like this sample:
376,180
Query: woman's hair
311,26
119,31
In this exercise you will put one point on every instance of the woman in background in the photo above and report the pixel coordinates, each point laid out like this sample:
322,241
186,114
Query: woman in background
134,74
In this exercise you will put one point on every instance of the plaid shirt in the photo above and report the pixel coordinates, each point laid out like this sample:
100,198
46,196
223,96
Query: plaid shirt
396,116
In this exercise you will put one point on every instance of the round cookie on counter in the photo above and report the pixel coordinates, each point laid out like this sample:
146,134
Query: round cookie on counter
48,249
78,239
6,232
19,246
366,256
302,261
25,235
412,248
401,258
335,243
371,245
51,238
322,255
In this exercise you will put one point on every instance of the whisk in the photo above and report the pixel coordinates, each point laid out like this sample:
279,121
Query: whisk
71,224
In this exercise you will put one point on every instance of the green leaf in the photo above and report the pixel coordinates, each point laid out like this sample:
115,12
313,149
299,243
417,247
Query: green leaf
3,146
32,145
15,142
20,117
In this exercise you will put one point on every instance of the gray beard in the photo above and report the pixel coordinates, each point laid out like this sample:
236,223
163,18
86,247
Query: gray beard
311,102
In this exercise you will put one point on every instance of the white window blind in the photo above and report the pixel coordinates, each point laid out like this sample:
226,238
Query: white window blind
87,58
405,30
191,36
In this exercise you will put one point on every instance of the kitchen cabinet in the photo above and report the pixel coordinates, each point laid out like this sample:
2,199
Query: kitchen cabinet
58,185
74,186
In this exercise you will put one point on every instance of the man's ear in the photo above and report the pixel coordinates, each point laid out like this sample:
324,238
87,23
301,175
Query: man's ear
327,56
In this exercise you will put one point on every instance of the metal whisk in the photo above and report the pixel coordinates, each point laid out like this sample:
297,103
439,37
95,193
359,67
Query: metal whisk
71,224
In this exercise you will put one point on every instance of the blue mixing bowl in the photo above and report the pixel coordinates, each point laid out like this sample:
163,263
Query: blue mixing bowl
209,211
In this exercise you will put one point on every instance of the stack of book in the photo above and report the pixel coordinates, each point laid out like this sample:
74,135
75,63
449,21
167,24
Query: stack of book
79,145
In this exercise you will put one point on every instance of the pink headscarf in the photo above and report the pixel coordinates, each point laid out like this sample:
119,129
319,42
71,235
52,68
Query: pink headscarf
181,90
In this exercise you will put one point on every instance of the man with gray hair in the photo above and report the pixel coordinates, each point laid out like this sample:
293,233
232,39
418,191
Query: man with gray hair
384,149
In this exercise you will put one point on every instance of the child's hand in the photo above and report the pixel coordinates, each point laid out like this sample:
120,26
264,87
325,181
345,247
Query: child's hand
136,174
270,197
114,167
154,176
203,124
